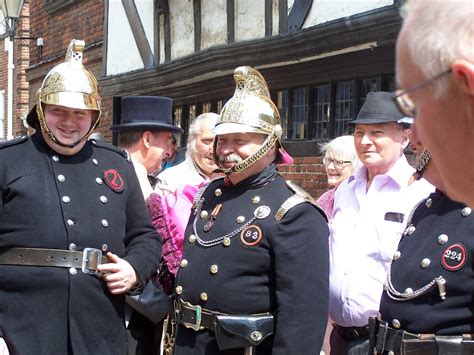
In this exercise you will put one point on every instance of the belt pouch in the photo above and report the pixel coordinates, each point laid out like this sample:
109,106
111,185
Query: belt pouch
242,331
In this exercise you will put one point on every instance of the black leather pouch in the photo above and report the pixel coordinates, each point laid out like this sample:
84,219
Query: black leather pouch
243,331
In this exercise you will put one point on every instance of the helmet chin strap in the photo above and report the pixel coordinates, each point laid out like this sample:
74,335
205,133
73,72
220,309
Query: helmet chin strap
263,150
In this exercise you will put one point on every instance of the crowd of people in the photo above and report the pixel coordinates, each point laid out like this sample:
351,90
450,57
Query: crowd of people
102,251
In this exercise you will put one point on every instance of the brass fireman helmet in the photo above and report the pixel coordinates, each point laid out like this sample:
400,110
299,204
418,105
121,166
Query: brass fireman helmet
251,110
68,84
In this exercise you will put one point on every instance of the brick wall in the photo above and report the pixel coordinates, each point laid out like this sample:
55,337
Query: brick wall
20,62
80,20
307,172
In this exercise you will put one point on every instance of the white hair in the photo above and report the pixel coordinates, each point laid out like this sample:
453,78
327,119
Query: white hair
209,119
342,148
441,31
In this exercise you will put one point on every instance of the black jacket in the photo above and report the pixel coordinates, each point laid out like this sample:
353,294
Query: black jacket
278,266
438,242
47,200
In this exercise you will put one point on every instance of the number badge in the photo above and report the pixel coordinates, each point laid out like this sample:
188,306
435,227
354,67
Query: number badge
454,257
251,236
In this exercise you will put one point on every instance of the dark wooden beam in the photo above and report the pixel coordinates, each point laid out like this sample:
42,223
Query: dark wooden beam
268,18
197,25
139,33
298,14
282,15
230,21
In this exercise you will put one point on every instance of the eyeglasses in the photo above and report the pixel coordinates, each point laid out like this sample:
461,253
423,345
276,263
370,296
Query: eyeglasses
405,103
338,164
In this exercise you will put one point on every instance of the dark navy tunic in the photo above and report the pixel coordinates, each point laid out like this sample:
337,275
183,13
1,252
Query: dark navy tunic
47,200
439,242
265,265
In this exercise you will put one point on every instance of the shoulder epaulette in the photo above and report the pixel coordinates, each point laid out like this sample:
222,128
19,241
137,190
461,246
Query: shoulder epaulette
300,196
113,148
199,193
13,142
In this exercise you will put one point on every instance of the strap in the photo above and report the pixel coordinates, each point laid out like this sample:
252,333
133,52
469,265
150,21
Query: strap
87,260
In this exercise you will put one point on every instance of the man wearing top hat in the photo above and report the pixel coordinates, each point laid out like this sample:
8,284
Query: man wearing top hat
370,211
75,235
145,130
254,273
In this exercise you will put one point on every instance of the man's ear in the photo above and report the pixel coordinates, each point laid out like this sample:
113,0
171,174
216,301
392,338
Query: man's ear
405,137
146,136
463,71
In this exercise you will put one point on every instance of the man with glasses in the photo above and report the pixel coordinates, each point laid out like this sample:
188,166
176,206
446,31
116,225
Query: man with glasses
435,69
370,211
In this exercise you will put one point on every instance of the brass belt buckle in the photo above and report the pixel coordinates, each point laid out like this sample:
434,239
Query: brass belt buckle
197,309
91,258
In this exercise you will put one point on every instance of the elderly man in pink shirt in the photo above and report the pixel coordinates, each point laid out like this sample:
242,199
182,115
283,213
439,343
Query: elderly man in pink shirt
370,211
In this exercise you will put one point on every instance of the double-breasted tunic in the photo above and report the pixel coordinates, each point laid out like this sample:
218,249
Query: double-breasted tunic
438,244
245,253
88,200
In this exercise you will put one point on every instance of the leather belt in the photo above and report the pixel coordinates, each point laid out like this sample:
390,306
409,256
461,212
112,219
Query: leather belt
351,333
400,342
86,260
194,317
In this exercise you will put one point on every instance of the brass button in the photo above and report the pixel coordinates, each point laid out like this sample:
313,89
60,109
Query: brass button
226,242
66,199
98,180
72,271
183,263
105,223
72,246
103,199
192,238
397,255
396,323
240,219
204,214
55,158
409,291
466,211
179,290
214,269
218,192
95,162
425,263
70,222
442,239
104,247
203,296
61,178
255,199
410,230
428,203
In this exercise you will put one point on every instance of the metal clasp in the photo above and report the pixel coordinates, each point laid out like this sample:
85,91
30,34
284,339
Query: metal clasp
197,309
91,258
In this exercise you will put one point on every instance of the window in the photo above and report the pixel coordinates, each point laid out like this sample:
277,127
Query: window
206,107
54,5
367,85
299,122
192,112
322,107
282,105
344,111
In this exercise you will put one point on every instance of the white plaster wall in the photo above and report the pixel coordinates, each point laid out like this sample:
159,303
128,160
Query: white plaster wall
275,17
122,52
213,23
182,28
249,19
326,10
162,39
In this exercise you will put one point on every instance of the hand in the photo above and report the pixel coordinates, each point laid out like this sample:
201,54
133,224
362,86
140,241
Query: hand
118,275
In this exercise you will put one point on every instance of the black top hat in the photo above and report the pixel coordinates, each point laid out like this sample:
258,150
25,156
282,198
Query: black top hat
379,108
142,113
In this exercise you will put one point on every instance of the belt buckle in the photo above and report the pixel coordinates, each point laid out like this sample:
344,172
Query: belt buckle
91,258
197,309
